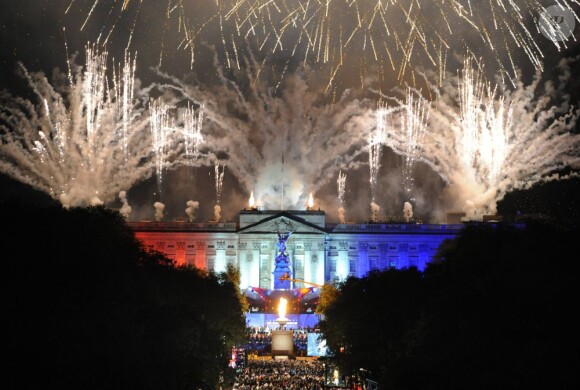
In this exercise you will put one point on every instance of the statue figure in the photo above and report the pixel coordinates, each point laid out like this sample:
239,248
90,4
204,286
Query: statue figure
282,266
281,244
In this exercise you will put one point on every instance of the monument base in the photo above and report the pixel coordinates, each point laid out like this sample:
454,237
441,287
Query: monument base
282,343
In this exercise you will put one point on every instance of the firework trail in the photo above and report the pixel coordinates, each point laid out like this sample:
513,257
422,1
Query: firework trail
392,35
219,181
488,140
376,142
341,183
251,127
161,130
193,121
375,149
82,142
414,119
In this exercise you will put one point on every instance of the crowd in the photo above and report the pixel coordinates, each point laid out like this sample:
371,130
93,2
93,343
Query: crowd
259,339
281,374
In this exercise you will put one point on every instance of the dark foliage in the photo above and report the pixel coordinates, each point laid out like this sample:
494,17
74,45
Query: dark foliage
495,310
88,308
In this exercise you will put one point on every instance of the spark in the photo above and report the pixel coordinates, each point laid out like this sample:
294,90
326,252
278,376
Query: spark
272,25
341,182
82,142
414,123
219,181
487,140
250,127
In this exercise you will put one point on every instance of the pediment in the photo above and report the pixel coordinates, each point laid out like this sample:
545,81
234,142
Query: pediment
282,223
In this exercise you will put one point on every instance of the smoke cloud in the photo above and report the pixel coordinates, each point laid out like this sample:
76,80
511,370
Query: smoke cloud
192,206
375,208
485,140
281,145
408,211
341,215
158,211
217,210
125,208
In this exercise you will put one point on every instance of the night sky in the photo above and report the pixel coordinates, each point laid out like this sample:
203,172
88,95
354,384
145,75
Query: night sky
36,33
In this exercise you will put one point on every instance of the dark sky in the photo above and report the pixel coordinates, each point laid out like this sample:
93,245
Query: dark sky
32,32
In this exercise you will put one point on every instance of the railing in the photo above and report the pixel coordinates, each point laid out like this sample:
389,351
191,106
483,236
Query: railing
184,226
393,227
332,228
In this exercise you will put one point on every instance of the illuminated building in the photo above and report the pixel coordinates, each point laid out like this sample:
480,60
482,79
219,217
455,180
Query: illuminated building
318,252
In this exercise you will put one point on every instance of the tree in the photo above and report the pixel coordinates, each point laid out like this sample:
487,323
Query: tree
328,294
500,309
495,309
370,317
233,275
89,308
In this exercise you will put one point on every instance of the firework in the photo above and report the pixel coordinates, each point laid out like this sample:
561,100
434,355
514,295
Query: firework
280,146
376,142
392,35
193,138
341,183
488,140
414,119
161,130
219,181
82,142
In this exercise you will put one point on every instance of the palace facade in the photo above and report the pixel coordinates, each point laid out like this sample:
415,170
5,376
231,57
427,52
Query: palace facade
318,252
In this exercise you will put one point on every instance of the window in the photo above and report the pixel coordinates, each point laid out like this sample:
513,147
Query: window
180,257
332,265
298,264
352,265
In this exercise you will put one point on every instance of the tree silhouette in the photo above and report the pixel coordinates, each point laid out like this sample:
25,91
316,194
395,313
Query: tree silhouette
496,309
89,308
